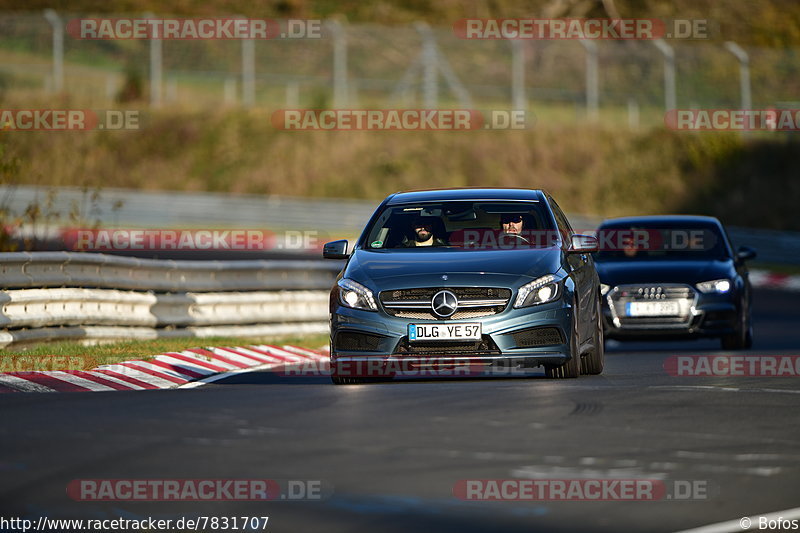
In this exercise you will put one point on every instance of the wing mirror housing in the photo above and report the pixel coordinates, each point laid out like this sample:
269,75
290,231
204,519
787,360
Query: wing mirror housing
335,250
583,244
745,253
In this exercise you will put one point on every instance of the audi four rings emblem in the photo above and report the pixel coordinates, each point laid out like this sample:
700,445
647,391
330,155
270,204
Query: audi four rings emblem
444,303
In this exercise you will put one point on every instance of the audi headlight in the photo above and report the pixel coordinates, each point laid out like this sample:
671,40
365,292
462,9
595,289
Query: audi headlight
717,285
540,291
355,295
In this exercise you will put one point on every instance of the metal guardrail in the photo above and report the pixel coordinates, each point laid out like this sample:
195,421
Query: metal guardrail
328,216
75,307
68,295
173,209
75,269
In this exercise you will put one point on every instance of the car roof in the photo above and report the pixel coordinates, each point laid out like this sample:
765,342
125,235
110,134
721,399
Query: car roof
465,193
661,219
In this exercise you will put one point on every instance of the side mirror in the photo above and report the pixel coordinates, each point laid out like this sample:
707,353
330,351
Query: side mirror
583,244
745,253
335,250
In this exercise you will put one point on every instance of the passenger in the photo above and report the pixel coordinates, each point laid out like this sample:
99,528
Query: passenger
629,247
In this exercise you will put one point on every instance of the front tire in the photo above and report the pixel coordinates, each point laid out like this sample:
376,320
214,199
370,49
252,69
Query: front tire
742,338
570,369
592,362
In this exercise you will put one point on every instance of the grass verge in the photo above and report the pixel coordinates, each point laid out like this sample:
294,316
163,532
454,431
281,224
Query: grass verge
589,169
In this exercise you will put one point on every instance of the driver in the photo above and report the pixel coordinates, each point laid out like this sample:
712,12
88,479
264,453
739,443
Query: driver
511,223
423,233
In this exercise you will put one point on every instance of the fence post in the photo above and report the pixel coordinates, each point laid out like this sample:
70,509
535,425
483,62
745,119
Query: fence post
340,89
155,65
229,91
592,79
430,75
292,95
744,73
248,72
669,72
58,48
518,97
633,114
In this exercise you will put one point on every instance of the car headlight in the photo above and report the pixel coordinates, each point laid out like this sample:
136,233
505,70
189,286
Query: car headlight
355,295
604,289
717,285
540,291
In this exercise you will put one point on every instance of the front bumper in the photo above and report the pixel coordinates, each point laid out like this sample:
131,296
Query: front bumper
370,344
709,315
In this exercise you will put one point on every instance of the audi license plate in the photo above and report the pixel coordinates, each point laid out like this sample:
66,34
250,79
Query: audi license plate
444,332
651,309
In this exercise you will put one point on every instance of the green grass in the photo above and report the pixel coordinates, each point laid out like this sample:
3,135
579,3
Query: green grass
592,169
74,356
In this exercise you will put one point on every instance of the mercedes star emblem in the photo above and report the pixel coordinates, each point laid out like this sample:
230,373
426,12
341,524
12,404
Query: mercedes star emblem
444,303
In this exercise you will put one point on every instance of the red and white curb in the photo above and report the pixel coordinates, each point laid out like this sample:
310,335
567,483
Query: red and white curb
189,368
768,280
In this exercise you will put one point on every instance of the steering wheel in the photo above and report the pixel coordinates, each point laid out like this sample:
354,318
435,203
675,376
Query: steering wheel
520,238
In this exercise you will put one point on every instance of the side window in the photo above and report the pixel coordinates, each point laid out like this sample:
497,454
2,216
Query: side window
563,224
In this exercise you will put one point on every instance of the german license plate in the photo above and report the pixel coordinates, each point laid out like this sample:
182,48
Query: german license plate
444,332
651,309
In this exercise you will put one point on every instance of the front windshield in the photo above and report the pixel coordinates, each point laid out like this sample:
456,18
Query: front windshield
463,225
638,242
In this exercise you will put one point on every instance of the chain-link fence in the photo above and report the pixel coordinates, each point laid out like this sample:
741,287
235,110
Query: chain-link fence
372,66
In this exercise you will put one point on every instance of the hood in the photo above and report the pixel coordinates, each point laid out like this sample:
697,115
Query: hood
409,268
623,272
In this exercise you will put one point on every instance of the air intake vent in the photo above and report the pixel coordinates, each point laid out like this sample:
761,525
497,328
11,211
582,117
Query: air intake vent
357,342
529,338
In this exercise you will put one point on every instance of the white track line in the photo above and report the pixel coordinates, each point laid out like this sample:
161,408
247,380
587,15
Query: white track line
740,524
722,389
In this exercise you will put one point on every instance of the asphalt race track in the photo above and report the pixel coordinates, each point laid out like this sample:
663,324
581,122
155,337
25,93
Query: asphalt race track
391,453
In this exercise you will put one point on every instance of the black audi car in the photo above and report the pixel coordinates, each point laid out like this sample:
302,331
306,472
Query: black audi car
669,277
483,278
